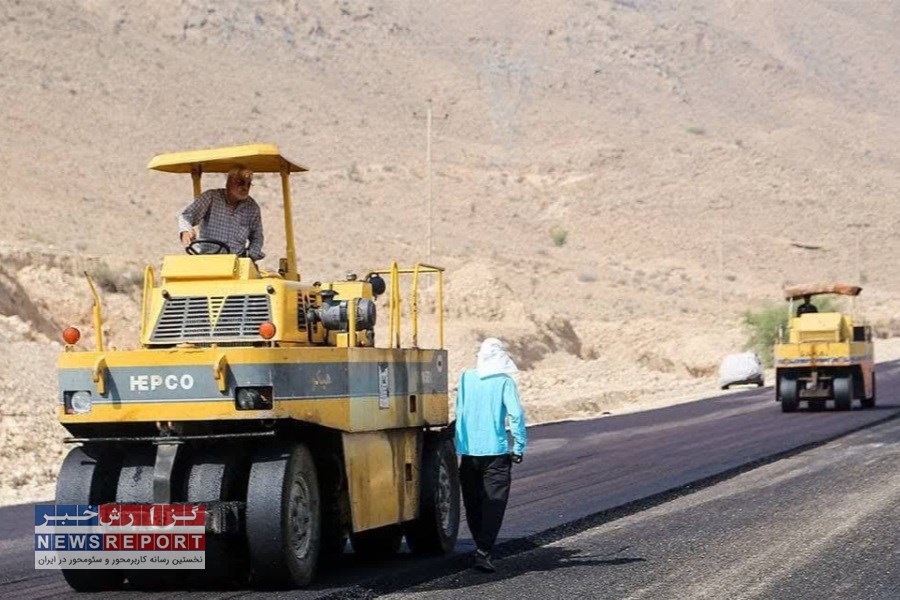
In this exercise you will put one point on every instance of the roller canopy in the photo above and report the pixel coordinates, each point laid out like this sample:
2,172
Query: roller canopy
799,291
260,158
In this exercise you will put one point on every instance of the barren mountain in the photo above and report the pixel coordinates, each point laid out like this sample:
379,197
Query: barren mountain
614,182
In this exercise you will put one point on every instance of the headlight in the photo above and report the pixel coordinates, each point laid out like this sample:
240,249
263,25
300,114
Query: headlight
78,403
249,398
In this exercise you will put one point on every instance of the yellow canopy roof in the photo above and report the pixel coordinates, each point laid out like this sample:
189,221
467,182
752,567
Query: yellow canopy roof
814,289
260,158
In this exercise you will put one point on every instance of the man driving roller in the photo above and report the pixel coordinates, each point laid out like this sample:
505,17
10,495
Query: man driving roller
227,215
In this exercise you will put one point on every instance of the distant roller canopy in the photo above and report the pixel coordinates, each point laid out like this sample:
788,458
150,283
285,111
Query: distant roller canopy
815,289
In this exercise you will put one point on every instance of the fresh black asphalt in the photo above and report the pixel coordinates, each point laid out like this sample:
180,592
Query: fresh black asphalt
576,475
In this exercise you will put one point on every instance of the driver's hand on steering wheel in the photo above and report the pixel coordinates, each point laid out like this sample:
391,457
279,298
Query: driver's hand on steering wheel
187,237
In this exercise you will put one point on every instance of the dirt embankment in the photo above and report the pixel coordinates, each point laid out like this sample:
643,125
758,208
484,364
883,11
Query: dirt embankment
570,368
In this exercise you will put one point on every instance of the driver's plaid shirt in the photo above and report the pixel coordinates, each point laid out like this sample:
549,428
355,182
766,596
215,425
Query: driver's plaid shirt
233,226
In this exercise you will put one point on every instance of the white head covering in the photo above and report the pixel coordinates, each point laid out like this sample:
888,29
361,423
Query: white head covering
493,359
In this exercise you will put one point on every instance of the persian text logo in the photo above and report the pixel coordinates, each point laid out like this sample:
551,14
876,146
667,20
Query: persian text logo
120,536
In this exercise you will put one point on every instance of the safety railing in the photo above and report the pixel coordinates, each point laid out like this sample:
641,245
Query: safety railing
98,317
395,300
146,299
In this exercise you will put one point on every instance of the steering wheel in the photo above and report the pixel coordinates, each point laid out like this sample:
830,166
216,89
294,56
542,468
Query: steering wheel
197,247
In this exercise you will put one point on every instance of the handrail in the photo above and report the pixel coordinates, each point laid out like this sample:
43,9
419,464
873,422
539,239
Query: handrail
149,278
395,300
98,321
351,318
415,307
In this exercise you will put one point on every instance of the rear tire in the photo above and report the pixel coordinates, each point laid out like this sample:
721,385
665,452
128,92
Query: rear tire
436,529
88,476
843,392
789,394
283,516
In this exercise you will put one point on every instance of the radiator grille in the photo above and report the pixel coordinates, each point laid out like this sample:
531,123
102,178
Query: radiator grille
302,305
202,318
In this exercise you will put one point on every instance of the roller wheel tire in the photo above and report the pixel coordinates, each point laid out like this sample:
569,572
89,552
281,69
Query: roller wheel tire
843,393
435,531
283,516
789,394
135,486
89,477
214,474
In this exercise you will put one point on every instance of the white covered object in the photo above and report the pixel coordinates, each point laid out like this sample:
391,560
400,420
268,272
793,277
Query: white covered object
744,367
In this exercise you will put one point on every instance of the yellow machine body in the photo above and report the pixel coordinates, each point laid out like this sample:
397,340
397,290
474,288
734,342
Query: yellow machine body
201,346
824,355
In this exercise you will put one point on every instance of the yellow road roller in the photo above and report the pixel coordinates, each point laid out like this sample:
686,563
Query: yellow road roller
824,356
267,400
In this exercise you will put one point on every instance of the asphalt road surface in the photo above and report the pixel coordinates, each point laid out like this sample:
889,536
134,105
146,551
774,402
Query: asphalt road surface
576,476
819,524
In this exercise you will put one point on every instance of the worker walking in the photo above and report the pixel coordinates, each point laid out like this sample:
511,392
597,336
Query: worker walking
486,397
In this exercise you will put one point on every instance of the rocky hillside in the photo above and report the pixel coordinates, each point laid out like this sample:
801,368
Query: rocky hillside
614,182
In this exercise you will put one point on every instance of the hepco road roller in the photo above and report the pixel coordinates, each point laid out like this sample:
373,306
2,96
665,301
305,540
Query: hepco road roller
267,400
825,355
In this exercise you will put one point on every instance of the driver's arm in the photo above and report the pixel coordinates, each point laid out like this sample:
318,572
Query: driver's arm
255,237
192,215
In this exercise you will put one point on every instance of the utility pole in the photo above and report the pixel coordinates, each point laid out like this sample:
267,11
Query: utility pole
430,186
720,206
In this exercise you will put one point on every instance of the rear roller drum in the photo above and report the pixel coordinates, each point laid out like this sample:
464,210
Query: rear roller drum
283,516
88,476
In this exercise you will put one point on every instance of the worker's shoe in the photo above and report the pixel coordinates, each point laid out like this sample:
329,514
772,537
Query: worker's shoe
483,562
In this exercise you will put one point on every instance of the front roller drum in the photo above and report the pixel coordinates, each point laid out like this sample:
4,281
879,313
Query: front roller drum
89,476
436,529
283,523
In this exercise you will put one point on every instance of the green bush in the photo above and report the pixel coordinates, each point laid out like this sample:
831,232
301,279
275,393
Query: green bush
559,236
763,324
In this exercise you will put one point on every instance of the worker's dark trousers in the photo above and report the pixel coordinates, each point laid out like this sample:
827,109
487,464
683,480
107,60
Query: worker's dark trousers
485,490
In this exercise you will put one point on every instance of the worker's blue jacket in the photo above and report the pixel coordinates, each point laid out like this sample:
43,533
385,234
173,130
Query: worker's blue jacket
482,406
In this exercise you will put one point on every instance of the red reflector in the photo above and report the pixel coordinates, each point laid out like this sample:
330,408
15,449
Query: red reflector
267,330
71,335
